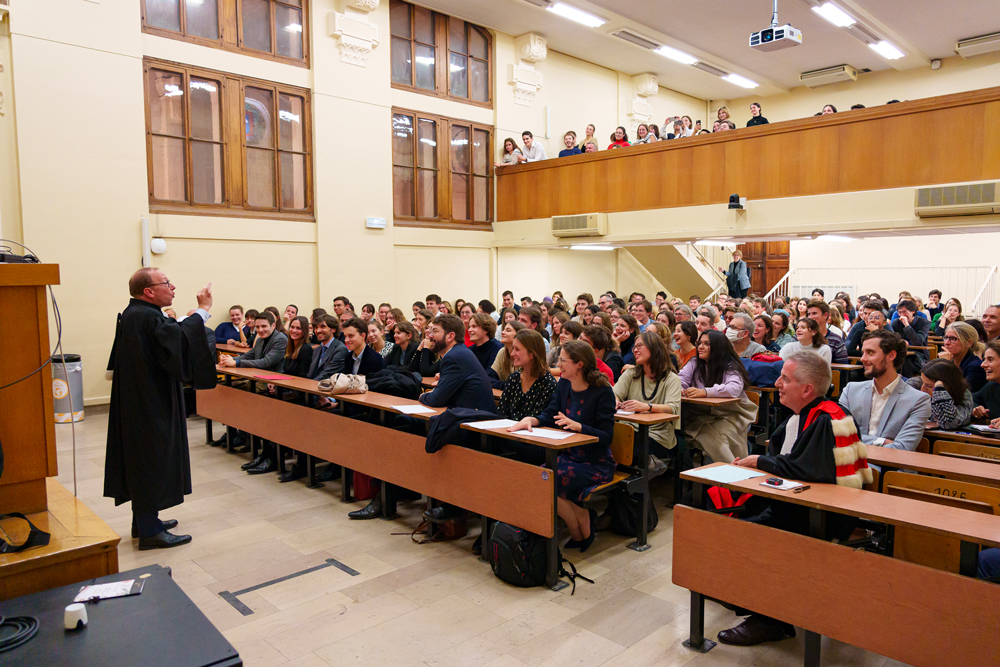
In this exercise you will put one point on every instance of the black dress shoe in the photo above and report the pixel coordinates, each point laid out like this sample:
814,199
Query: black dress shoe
162,540
330,473
266,466
218,443
477,546
443,513
167,525
755,630
291,475
253,464
242,449
372,511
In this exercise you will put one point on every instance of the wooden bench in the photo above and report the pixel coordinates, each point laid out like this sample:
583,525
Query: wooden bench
961,436
957,467
967,450
908,612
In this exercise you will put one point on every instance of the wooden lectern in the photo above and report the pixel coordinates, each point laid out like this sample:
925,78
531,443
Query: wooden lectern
27,424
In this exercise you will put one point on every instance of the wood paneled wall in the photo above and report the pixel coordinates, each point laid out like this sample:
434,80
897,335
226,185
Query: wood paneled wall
953,138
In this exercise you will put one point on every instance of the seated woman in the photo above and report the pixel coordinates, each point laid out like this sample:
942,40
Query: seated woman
644,136
298,353
962,346
506,315
465,312
444,308
502,366
780,333
718,430
556,322
604,319
952,313
569,331
951,400
763,332
685,335
808,338
421,318
249,317
376,338
529,386
987,399
405,336
583,402
425,361
619,139
625,331
510,153
395,316
588,314
652,386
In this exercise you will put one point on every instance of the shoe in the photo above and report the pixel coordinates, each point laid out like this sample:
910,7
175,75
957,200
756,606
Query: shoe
167,525
756,630
329,473
162,540
266,466
372,511
240,441
218,443
477,546
291,475
585,543
657,466
443,512
241,450
253,464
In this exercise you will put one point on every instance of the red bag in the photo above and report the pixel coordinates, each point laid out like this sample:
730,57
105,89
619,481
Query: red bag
365,487
768,357
722,498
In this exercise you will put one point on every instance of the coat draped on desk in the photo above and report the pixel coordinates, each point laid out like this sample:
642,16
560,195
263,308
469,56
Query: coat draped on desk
147,450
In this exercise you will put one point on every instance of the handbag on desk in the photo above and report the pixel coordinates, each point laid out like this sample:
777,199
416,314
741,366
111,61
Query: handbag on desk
344,383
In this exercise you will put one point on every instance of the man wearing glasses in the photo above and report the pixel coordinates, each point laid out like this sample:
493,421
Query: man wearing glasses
147,459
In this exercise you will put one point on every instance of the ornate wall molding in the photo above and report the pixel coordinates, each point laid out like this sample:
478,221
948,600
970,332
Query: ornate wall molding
639,111
363,5
358,36
530,48
646,85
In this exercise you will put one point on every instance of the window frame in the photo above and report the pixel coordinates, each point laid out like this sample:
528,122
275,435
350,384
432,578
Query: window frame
231,31
234,154
442,78
444,218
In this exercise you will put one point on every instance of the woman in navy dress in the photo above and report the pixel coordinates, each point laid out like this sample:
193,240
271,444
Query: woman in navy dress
583,403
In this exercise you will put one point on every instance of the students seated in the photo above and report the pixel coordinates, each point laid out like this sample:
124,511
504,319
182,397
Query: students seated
962,346
569,140
987,399
502,365
609,361
808,338
268,352
619,139
405,336
951,400
331,355
531,317
582,301
952,313
463,382
424,361
298,361
871,319
717,372
465,313
529,386
763,332
683,313
685,335
571,330
652,386
363,360
235,330
819,311
376,338
704,321
991,322
913,329
626,329
583,402
484,346
740,334
511,153
643,135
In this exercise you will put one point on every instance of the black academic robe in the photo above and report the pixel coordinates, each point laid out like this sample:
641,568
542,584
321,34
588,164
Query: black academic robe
147,458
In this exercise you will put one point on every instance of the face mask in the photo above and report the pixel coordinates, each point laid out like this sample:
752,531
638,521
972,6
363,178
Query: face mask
733,335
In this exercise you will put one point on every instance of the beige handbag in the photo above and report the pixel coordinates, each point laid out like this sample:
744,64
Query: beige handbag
343,383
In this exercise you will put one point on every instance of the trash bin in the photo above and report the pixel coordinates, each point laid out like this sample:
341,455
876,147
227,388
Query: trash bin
68,397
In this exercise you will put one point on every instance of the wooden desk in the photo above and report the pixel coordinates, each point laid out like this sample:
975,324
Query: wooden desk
231,349
430,383
965,470
956,436
708,401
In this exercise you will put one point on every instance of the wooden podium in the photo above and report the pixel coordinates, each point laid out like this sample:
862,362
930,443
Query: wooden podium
27,424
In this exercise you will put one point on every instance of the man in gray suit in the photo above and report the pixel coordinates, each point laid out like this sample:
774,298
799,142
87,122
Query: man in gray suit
890,412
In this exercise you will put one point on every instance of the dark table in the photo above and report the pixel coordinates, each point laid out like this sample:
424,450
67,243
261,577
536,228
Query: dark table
161,626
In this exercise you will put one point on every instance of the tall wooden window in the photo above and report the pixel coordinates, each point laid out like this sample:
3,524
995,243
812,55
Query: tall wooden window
219,144
441,170
274,29
439,55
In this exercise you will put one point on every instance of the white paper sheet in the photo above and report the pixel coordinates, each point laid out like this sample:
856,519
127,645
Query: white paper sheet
624,412
726,474
493,423
784,486
984,429
413,409
546,433
115,589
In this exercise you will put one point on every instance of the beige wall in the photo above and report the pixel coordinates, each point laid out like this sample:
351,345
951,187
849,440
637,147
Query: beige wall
10,196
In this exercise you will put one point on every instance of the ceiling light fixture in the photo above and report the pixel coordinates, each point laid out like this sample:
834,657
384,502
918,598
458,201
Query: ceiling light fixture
577,15
592,246
740,81
835,15
675,54
886,50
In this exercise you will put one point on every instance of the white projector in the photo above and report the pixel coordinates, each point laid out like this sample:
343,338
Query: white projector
773,39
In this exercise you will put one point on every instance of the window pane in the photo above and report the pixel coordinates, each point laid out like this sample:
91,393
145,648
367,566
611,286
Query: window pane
166,103
402,140
399,19
456,36
423,25
163,14
291,109
477,43
257,109
426,194
402,191
168,169
260,177
459,76
401,70
257,25
427,143
288,31
206,113
460,149
425,67
482,199
293,180
478,81
459,197
202,18
206,172
481,153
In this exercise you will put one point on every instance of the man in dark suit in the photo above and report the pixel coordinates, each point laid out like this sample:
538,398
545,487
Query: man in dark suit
914,331
463,382
363,360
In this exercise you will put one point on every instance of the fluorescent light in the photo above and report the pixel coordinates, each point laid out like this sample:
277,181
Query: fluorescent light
834,237
886,50
578,15
835,15
674,54
722,243
592,246
740,81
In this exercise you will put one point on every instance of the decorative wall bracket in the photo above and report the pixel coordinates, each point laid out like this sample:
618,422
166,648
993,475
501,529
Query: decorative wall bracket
639,110
358,36
530,48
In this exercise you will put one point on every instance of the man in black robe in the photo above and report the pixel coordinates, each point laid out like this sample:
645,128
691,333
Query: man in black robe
147,456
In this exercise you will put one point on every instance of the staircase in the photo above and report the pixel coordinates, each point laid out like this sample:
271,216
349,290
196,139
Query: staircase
684,269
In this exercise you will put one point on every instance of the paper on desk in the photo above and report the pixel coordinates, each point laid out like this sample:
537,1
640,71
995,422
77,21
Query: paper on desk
624,412
546,433
984,429
493,423
413,409
115,589
726,474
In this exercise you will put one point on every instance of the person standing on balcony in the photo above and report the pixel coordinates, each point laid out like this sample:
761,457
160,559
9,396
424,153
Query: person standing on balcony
737,277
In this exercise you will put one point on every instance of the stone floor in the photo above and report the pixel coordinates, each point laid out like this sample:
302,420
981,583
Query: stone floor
396,603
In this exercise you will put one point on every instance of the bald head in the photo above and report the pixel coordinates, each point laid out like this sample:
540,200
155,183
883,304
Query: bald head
151,285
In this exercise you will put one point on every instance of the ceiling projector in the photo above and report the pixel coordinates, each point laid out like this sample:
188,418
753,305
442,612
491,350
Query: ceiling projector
776,38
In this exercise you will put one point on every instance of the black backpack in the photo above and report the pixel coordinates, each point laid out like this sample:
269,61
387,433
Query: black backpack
625,510
518,557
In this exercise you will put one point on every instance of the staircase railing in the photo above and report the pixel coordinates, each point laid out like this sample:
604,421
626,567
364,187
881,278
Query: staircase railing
712,265
781,287
987,295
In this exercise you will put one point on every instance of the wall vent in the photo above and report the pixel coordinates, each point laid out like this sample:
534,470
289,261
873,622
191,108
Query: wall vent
589,224
966,199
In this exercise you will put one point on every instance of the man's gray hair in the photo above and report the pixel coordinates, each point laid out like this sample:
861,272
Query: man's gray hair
810,368
746,320
685,309
708,310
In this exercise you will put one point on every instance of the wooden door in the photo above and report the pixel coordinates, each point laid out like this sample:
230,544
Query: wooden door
768,262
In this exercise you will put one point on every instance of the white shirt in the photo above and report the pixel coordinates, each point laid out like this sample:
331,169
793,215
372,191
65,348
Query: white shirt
791,435
878,405
795,346
535,153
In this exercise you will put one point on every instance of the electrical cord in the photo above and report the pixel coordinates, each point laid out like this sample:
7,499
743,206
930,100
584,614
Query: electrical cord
24,628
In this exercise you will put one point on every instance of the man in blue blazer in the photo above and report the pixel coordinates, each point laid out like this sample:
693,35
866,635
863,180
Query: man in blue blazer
363,359
890,412
331,355
463,382
913,330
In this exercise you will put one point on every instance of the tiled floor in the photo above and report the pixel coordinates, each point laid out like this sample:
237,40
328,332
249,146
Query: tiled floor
408,604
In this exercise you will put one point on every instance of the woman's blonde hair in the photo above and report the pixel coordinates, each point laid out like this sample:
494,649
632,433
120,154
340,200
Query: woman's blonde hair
968,336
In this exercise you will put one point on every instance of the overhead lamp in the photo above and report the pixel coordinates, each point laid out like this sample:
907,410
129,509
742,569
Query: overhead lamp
577,15
835,15
722,243
675,54
592,246
741,81
834,237
886,50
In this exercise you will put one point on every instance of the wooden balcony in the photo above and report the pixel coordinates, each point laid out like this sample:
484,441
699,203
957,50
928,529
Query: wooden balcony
947,139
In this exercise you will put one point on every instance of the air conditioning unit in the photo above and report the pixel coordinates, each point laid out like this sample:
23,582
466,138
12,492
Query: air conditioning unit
949,200
588,224
975,46
822,77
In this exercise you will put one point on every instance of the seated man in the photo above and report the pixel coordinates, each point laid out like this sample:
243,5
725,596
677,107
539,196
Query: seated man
819,311
268,351
233,331
991,322
871,318
740,334
363,359
914,331
890,412
818,444
485,347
